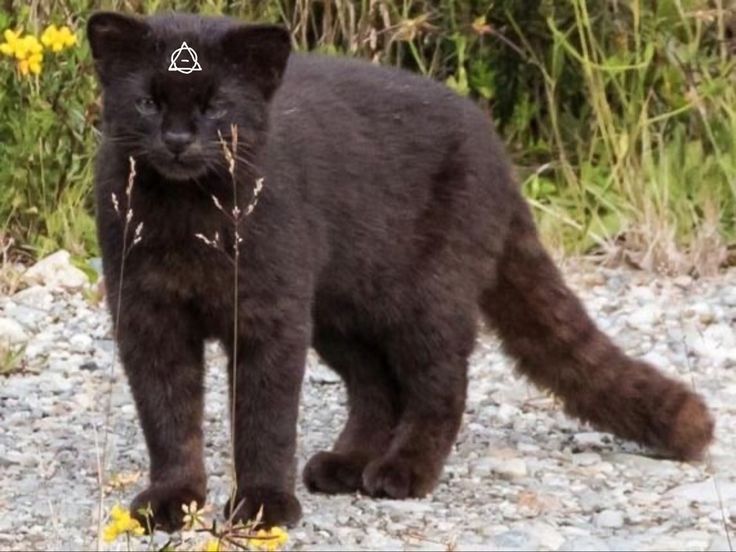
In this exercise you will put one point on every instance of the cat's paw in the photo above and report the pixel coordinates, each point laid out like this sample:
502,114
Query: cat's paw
334,473
394,477
279,507
165,501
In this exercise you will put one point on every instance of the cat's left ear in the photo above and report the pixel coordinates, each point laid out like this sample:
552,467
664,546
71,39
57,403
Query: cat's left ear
117,41
259,53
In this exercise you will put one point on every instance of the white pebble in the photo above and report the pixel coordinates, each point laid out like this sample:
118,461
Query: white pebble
80,343
611,519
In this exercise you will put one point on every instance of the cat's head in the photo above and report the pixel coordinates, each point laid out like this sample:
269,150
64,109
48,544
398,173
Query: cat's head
165,101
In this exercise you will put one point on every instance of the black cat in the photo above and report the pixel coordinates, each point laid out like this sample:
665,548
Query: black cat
388,223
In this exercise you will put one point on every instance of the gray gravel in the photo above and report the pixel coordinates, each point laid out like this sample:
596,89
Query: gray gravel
522,475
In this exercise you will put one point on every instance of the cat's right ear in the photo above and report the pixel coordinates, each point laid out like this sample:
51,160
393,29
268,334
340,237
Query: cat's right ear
259,53
116,41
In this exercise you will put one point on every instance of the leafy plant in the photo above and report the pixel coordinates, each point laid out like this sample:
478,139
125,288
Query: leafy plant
11,358
620,115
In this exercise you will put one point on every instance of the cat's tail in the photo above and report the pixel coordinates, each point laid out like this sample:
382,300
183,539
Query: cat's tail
545,327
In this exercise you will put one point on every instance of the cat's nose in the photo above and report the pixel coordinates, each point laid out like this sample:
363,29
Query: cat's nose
177,141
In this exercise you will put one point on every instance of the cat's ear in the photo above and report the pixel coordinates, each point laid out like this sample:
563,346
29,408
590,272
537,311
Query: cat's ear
259,53
115,39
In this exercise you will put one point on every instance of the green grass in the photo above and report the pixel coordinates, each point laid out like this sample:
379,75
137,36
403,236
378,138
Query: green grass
621,116
654,165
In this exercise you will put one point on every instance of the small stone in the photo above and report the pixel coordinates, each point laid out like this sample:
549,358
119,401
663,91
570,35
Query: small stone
719,544
693,539
585,543
593,279
611,519
507,413
27,316
41,344
408,506
24,459
586,458
56,271
320,374
645,464
705,491
644,317
11,332
514,468
37,297
80,343
592,439
516,540
374,539
706,317
730,299
547,535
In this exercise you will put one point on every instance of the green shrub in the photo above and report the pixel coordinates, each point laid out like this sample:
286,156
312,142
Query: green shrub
47,144
620,115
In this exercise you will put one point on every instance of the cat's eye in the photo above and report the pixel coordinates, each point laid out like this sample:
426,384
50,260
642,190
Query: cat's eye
146,106
215,111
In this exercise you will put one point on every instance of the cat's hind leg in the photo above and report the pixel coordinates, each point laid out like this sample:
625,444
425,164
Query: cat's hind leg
373,411
429,356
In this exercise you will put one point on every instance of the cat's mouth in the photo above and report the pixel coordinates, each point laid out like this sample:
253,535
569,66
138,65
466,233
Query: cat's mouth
179,168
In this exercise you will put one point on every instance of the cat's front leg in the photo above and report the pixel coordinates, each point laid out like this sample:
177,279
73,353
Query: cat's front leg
162,351
267,383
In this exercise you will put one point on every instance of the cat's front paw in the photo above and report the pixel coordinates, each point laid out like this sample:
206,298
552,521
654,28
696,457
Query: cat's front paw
279,507
165,501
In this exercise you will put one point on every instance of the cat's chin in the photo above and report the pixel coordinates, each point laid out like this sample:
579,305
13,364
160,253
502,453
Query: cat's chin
179,171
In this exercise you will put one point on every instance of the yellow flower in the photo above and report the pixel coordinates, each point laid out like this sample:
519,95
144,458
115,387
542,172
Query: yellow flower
269,539
27,46
27,51
12,38
34,63
212,545
58,38
121,523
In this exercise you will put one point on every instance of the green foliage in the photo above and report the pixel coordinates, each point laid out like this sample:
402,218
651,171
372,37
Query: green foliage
11,358
621,115
48,142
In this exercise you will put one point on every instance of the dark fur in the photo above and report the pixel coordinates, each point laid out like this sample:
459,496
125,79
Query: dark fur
388,224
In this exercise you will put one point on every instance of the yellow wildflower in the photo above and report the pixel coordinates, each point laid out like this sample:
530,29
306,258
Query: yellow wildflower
32,64
11,40
58,38
268,539
27,46
121,523
212,545
27,51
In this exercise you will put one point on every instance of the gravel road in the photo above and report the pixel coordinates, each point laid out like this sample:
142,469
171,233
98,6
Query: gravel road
522,475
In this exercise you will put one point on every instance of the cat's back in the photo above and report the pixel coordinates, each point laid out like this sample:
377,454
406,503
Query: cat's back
401,169
352,78
389,99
